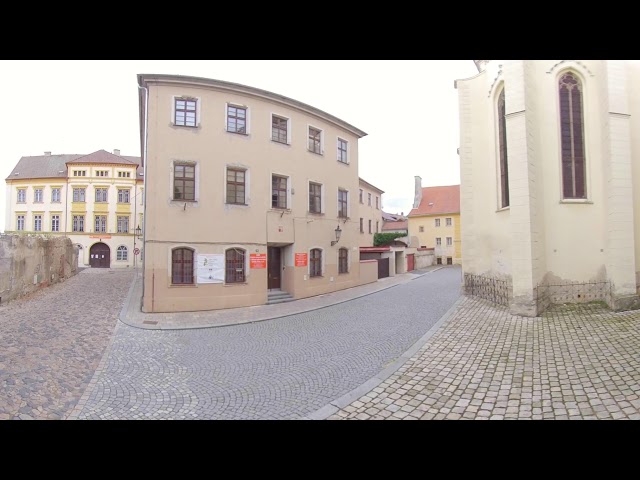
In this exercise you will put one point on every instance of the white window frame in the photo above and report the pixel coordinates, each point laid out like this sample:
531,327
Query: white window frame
437,222
449,241
247,117
24,195
321,139
338,203
322,197
118,217
59,189
106,220
348,159
55,222
84,192
37,218
79,223
271,128
172,120
289,183
126,253
24,221
448,222
247,185
95,196
438,241
128,190
35,195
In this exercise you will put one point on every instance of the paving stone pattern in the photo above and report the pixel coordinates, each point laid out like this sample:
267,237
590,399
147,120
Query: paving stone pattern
52,341
284,368
576,362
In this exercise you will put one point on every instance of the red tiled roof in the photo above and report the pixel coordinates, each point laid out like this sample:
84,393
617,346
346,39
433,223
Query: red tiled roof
438,200
400,225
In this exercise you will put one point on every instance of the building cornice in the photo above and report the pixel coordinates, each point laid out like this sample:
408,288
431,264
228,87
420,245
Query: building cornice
162,79
367,184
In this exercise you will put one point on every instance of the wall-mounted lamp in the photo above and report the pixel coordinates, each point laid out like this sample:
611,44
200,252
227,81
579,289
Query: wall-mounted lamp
338,232
138,232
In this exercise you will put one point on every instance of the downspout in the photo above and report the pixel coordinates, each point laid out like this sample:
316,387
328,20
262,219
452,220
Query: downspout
144,184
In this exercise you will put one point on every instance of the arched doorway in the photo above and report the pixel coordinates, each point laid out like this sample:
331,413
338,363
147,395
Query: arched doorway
100,255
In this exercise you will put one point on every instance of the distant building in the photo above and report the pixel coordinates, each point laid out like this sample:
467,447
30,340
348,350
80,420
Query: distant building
95,200
394,223
370,212
550,169
435,221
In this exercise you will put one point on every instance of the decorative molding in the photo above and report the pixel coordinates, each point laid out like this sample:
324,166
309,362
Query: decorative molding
571,63
495,81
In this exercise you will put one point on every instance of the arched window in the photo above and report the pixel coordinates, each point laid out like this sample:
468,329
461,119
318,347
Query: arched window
572,137
343,260
122,253
315,263
234,260
182,266
502,141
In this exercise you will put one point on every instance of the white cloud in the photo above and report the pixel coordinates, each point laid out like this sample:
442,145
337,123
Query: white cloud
408,108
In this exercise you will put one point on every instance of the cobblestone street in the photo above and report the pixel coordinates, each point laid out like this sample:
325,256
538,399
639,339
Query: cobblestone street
52,341
576,362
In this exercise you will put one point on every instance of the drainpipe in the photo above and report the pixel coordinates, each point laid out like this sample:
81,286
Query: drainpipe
144,184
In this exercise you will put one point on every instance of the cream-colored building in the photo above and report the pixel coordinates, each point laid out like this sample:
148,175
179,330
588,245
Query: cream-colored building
251,197
370,212
93,199
435,221
550,181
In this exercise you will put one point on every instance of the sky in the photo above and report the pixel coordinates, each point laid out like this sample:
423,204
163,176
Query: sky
409,109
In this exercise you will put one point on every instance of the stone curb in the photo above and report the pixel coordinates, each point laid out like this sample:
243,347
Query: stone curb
349,397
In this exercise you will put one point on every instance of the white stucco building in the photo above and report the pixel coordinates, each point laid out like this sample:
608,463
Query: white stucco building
550,181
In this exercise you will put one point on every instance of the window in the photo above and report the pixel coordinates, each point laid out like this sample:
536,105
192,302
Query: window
421,228
572,135
378,202
79,173
502,145
78,223
123,224
342,151
439,261
55,195
236,186
37,223
20,222
124,174
279,128
315,263
342,203
437,222
278,192
377,227
100,224
361,196
78,194
102,173
315,140
234,261
448,222
369,199
370,226
182,266
37,195
449,261
185,112
101,194
449,241
343,260
315,198
123,195
236,119
361,225
122,253
184,182
55,223
22,195
438,240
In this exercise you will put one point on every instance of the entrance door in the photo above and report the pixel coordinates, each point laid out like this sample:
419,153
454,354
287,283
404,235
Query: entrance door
273,267
410,262
100,256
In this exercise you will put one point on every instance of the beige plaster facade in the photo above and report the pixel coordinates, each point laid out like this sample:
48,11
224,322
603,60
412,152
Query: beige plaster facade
543,237
270,180
369,219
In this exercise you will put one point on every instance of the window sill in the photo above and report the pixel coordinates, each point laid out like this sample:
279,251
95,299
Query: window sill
503,209
344,163
315,276
181,200
281,209
286,144
315,153
191,127
237,204
237,284
183,285
319,214
238,133
576,201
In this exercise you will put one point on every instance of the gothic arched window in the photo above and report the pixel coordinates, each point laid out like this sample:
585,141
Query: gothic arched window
572,137
502,142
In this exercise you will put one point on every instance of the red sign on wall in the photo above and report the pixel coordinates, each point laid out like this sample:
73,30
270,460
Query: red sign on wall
301,259
258,260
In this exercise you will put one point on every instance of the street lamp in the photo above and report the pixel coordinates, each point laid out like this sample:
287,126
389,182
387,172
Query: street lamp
138,232
338,232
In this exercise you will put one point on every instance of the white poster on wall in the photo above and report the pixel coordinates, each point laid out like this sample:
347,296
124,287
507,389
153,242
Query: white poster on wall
210,268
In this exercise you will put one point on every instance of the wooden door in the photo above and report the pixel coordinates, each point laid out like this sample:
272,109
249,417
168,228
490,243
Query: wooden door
410,262
383,267
100,256
274,269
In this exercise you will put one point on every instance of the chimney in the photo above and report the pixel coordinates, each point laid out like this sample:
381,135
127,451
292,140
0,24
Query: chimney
418,192
116,151
48,154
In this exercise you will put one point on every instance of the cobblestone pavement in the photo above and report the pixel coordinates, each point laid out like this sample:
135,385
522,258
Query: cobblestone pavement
52,341
276,369
576,362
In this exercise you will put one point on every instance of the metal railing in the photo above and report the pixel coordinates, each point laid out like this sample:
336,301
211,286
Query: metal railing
572,292
492,289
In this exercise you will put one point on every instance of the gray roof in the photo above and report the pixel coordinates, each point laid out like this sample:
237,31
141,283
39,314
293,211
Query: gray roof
52,166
